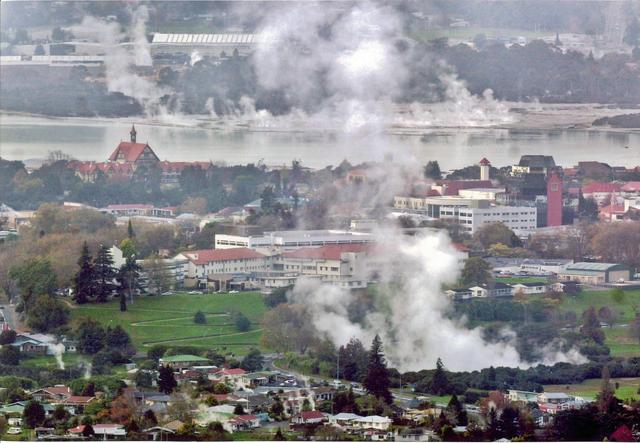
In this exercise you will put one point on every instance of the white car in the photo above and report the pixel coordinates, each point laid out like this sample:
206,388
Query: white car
14,431
233,292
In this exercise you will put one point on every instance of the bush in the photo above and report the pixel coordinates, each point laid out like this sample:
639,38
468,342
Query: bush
10,355
242,322
156,352
199,318
7,337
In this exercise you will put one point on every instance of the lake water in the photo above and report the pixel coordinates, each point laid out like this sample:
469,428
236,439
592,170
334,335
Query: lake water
26,137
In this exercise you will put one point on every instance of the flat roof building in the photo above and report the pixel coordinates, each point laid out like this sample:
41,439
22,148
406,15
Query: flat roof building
595,273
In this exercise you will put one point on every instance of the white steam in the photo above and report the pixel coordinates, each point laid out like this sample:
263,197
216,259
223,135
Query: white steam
366,62
58,349
123,60
410,317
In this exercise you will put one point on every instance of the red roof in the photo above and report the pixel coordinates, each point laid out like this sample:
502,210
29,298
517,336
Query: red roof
77,430
58,390
234,371
329,252
484,161
452,187
204,256
601,187
246,417
460,247
612,209
311,415
631,187
131,151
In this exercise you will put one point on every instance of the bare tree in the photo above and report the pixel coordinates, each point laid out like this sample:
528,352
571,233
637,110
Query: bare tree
160,279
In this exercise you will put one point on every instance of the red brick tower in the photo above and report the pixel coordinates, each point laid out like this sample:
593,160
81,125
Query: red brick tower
554,199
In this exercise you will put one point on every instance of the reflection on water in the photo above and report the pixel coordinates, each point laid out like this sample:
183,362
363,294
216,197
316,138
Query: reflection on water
31,137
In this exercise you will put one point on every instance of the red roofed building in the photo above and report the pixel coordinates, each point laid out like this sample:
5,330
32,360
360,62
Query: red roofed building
133,153
612,213
308,418
600,191
452,187
630,189
220,265
57,393
485,169
623,433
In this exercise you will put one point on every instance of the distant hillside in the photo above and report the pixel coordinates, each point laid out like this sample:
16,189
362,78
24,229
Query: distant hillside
619,121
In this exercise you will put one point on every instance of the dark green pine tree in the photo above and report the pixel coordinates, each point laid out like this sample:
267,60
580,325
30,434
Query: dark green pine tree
104,274
83,280
377,381
456,409
130,232
166,381
439,384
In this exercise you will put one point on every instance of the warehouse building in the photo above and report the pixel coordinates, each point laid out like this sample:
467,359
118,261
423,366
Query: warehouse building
595,273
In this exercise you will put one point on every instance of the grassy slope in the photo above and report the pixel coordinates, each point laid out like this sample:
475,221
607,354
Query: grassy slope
169,320
598,299
628,388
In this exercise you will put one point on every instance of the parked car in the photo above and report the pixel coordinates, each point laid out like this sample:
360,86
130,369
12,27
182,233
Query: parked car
195,292
14,431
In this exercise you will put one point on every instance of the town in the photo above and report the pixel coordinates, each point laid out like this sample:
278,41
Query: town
407,221
143,319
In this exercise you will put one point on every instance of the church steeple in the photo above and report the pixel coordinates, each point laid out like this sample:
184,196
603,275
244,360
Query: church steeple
133,134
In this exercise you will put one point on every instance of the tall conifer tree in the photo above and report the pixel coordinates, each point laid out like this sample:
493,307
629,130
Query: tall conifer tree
377,381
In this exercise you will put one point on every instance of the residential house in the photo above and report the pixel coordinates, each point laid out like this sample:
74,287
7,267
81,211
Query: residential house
52,394
522,396
459,293
235,377
183,361
241,423
343,419
308,418
495,289
375,422
75,404
528,288
323,393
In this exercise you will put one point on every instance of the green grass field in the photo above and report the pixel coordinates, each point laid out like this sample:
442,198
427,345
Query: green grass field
168,320
628,388
581,302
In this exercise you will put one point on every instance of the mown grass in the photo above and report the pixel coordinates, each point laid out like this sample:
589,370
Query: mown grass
168,320
627,388
581,302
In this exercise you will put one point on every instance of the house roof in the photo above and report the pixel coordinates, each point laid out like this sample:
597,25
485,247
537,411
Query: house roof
346,416
205,256
600,187
537,161
584,266
328,252
78,399
182,358
374,419
531,284
631,187
232,371
556,395
130,151
310,415
56,390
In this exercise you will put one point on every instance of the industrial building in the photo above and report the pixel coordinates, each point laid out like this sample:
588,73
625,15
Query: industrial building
595,273
205,44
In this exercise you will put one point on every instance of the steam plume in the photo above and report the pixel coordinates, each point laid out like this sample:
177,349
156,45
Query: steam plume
58,350
411,315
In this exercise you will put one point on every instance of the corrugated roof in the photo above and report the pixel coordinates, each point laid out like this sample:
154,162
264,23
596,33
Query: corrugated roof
586,266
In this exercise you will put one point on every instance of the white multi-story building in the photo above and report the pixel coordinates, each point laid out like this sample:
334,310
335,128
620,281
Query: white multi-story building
290,240
220,264
520,219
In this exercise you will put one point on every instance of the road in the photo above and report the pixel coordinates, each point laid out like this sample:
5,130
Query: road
10,316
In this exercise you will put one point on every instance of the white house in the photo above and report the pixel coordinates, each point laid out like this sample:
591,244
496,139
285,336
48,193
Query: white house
530,288
373,422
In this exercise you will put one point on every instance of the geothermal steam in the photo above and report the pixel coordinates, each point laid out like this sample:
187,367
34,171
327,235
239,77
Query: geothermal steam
411,315
345,68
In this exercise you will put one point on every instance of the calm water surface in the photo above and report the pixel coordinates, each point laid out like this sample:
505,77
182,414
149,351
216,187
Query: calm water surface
24,137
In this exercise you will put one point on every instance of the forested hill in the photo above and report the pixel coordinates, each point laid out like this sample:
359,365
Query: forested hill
536,71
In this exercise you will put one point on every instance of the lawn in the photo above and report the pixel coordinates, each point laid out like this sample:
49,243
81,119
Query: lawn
619,340
628,388
581,302
168,320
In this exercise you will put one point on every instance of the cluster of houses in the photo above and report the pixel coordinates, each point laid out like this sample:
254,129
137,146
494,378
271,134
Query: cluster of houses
548,403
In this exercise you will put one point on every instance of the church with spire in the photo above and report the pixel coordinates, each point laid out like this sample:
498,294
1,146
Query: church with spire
133,153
